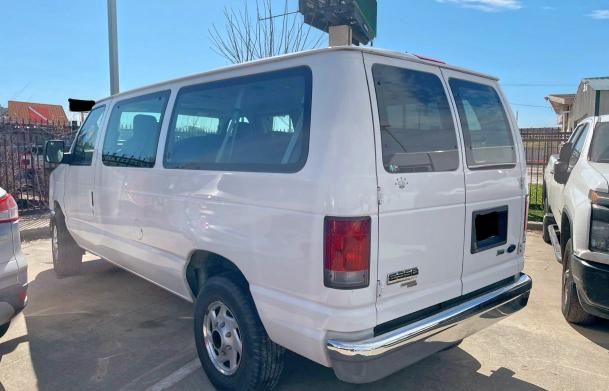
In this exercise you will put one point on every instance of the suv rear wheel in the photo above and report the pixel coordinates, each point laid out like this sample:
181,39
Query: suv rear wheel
571,308
234,349
67,256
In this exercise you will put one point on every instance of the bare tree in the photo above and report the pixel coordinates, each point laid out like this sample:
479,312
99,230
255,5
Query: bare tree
246,37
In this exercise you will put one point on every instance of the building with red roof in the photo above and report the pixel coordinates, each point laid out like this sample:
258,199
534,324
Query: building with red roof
36,113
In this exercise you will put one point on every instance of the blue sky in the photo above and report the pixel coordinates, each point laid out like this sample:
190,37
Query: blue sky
52,50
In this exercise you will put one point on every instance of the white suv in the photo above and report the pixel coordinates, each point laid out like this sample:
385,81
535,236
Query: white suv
359,207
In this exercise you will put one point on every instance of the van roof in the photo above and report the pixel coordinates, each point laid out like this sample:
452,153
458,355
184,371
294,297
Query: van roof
376,51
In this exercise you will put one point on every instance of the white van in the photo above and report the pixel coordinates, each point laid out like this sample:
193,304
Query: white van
362,208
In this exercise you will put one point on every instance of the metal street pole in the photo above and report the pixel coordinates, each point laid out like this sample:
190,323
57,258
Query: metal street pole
113,47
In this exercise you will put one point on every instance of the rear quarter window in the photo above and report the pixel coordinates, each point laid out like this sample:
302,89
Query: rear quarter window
416,123
254,123
486,130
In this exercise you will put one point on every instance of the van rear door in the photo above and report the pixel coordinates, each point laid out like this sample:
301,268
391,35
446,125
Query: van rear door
494,181
421,182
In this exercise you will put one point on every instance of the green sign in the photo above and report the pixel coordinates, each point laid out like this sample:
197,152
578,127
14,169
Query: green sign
360,15
368,12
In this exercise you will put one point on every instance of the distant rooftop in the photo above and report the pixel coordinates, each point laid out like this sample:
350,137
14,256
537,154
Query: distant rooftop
560,102
40,113
597,83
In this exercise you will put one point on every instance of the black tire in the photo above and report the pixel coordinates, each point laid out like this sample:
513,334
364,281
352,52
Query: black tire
548,221
4,328
261,361
570,305
67,256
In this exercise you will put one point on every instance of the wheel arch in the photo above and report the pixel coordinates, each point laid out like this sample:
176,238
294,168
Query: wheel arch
203,264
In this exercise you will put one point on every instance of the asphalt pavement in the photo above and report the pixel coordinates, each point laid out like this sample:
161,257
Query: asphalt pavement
109,330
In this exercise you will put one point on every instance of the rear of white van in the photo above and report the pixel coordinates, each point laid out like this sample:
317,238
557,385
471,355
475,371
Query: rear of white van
451,216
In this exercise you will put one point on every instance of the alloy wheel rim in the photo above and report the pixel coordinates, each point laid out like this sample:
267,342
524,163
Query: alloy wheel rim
222,338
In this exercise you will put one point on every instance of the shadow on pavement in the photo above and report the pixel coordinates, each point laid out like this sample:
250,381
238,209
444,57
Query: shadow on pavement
103,328
9,346
597,332
108,329
453,370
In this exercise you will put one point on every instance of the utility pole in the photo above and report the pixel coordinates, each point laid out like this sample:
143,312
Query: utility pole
113,47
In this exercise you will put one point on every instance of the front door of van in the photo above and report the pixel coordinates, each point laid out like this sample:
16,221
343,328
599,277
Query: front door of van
421,185
494,181
80,179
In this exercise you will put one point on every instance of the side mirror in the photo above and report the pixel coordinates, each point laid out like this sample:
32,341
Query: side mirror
561,167
561,171
53,151
565,152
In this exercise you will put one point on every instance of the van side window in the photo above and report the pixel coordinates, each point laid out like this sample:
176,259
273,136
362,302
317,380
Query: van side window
486,129
133,131
84,144
252,123
417,128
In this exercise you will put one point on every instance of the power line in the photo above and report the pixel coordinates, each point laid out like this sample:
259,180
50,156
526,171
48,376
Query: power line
536,85
527,105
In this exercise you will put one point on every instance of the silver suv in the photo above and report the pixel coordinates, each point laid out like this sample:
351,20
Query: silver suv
13,266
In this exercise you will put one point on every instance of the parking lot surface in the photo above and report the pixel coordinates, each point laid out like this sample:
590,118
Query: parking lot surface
109,330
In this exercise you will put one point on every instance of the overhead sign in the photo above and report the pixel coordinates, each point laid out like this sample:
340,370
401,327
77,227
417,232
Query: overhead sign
360,15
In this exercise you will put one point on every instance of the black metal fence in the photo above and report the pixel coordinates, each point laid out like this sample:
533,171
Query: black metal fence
25,174
23,170
539,145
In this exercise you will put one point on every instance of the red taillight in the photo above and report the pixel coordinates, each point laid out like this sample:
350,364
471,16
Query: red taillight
8,209
23,296
347,252
526,218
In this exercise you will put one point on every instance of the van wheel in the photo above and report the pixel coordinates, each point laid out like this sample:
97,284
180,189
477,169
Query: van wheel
570,305
234,349
67,256
4,328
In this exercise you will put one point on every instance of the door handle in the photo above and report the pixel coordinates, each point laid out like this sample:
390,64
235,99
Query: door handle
92,201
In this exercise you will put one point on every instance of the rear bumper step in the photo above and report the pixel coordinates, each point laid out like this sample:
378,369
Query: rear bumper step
374,358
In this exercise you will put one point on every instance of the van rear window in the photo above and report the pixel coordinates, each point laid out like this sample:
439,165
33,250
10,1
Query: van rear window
253,123
417,128
486,129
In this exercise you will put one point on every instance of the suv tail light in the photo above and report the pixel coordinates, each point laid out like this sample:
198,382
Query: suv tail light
347,252
8,209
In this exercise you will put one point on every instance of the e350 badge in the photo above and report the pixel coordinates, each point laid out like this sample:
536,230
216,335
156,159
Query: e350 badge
407,277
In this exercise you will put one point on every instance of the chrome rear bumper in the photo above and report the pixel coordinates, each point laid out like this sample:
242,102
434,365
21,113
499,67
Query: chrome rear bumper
374,358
